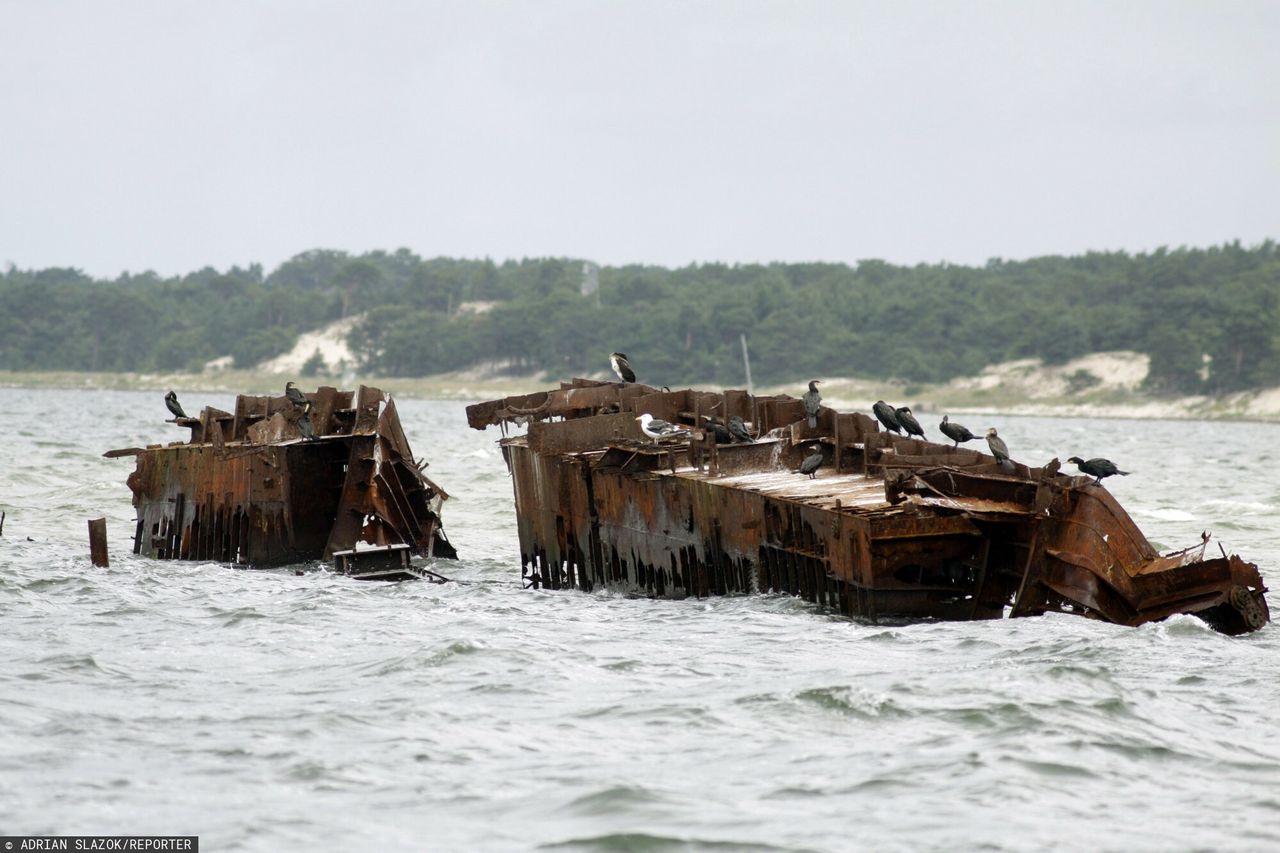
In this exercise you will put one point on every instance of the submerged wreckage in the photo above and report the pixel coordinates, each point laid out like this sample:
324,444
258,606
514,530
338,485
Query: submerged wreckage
277,482
890,528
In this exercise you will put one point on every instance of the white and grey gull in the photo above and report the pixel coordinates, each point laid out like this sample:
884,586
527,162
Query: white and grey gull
658,429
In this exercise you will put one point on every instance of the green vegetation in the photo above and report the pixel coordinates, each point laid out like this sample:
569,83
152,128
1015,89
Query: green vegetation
1209,318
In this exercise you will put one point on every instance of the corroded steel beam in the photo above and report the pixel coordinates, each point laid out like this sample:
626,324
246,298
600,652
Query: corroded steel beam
890,528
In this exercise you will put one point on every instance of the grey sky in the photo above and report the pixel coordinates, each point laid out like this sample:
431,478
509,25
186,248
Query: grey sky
170,135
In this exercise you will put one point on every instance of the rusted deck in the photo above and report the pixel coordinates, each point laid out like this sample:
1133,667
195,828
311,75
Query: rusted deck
249,488
889,528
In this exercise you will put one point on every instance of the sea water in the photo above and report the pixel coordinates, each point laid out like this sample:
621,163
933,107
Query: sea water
264,710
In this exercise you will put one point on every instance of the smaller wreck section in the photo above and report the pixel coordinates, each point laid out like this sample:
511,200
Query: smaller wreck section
889,527
249,488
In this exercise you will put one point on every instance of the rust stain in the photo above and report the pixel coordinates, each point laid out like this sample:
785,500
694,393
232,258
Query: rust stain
890,527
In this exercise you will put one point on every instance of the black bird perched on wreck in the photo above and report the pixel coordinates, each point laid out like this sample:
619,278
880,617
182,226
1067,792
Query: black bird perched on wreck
171,400
955,432
811,463
738,429
887,415
812,403
295,396
722,434
1097,468
304,426
622,366
304,423
999,449
909,422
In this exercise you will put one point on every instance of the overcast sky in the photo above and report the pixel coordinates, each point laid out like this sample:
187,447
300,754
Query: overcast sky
174,135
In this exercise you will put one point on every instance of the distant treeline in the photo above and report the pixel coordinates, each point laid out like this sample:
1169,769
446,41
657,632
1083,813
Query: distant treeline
1209,318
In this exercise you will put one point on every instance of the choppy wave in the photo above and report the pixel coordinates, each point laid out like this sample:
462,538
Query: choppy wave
264,710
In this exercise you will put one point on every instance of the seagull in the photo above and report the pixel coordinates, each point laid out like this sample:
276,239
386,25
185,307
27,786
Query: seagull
738,430
812,403
1097,468
999,449
171,400
295,396
622,366
955,432
811,463
887,415
909,422
656,429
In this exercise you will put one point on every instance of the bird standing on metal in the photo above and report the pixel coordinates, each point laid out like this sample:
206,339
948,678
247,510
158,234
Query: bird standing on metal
722,434
305,427
171,401
738,429
295,396
999,449
1097,468
887,415
909,422
658,429
812,403
955,432
622,366
811,463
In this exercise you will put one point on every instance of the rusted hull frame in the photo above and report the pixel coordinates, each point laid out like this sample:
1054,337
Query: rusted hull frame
952,536
662,535
249,490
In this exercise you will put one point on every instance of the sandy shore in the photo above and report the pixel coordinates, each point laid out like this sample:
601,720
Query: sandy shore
1100,385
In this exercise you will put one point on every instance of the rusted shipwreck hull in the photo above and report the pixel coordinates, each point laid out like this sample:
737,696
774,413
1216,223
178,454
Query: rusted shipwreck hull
248,488
890,528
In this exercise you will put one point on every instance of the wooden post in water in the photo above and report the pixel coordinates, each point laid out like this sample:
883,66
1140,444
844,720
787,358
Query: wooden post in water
98,542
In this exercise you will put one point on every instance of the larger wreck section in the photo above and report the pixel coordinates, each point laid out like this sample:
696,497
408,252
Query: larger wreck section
889,528
249,487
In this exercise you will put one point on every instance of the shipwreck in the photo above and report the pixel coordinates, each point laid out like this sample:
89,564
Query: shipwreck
276,482
889,528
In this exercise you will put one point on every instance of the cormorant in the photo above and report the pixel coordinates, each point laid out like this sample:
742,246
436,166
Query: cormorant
723,436
738,430
1097,468
295,396
305,427
622,366
999,449
812,403
955,432
656,429
909,422
171,400
887,415
811,463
